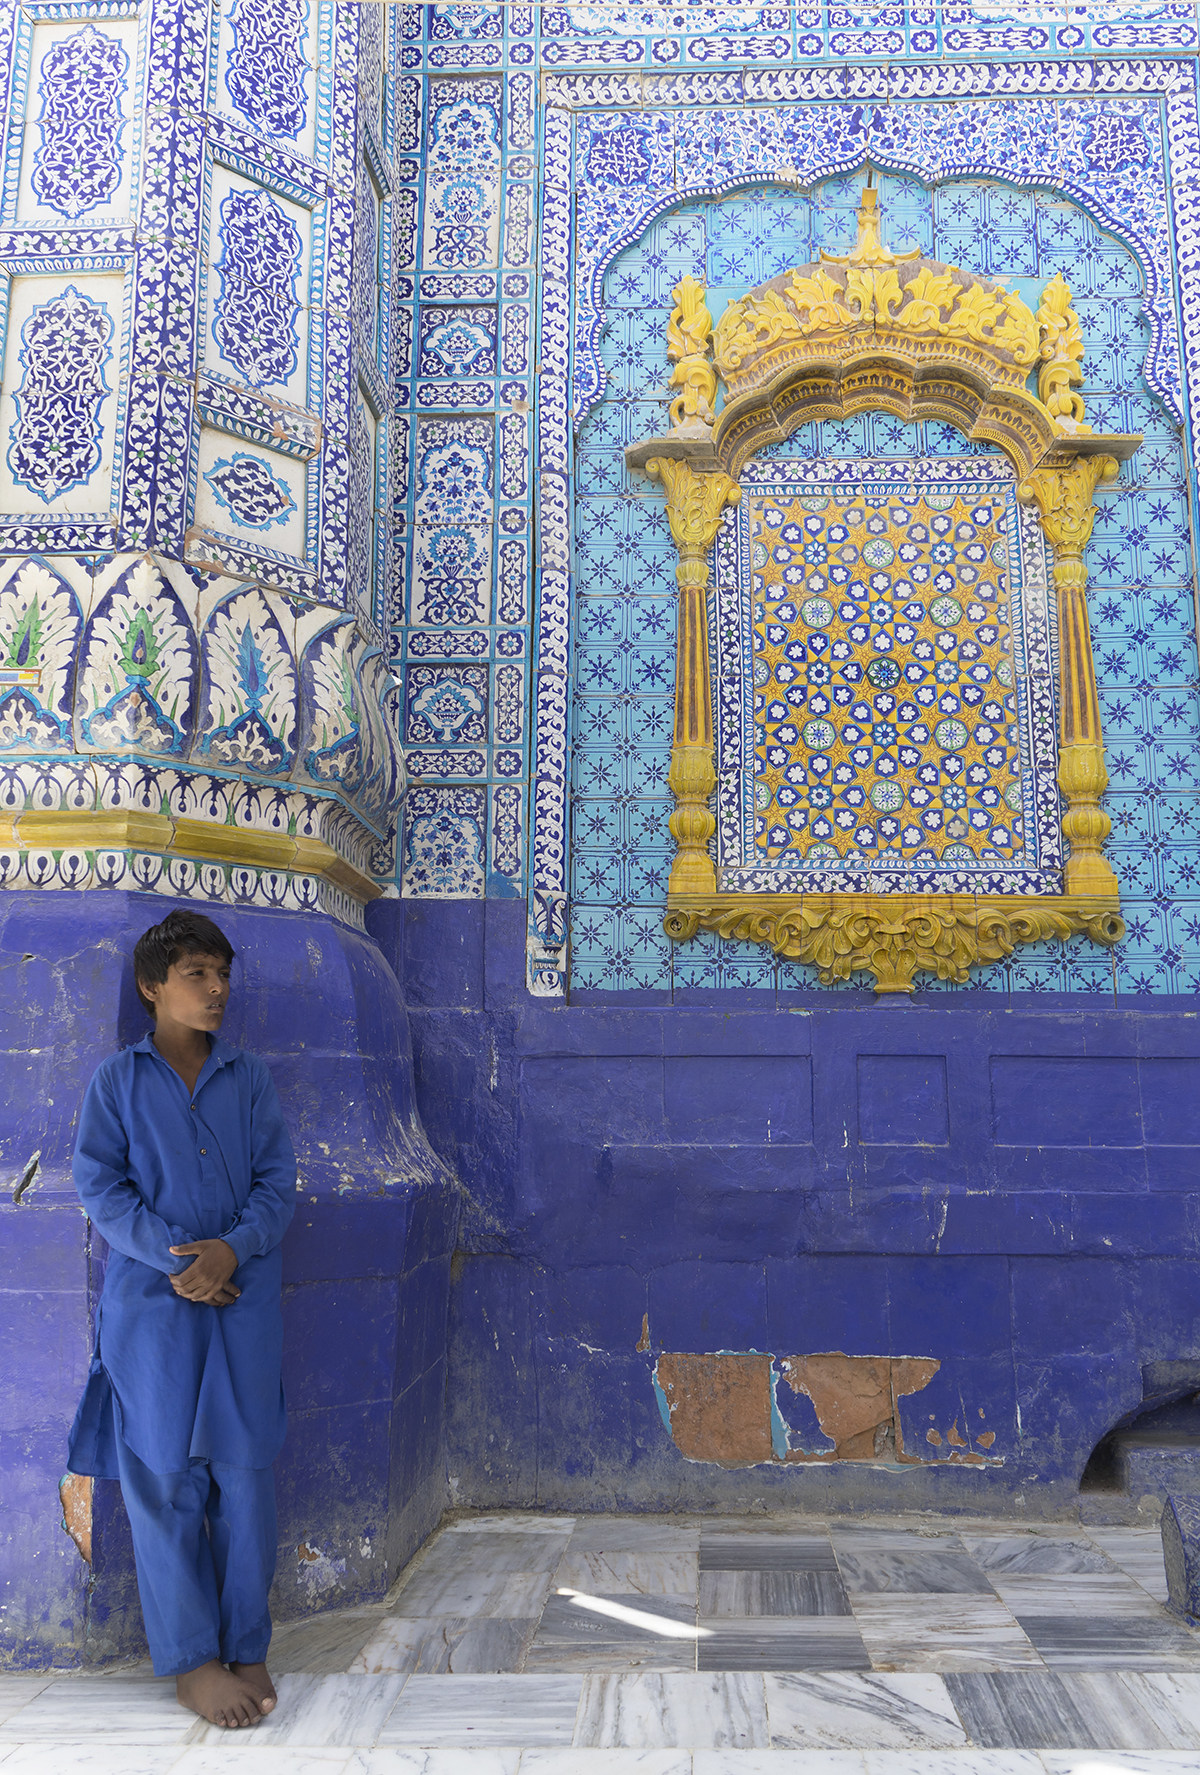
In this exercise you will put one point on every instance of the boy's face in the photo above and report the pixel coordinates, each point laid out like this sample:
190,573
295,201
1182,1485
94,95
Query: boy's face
194,993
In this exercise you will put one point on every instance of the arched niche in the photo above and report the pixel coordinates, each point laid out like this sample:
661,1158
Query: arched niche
917,339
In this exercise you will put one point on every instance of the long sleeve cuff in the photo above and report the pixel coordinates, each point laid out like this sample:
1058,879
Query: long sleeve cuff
242,1241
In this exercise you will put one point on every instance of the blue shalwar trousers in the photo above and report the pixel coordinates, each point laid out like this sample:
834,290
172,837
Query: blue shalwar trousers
204,1546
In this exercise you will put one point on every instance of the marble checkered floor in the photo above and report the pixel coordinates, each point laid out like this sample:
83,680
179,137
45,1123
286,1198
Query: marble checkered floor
525,1645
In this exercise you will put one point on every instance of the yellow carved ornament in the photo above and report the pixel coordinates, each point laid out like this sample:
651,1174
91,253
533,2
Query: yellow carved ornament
689,341
1061,353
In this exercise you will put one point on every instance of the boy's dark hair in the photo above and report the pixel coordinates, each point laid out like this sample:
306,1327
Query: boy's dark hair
179,934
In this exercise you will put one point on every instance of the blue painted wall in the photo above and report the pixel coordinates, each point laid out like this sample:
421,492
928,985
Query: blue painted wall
367,1262
1004,1182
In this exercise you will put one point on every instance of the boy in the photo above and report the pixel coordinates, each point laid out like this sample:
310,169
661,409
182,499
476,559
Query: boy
184,1165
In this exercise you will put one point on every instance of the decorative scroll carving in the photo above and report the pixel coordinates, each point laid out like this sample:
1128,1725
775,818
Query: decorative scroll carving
689,347
695,502
1061,353
893,936
1064,497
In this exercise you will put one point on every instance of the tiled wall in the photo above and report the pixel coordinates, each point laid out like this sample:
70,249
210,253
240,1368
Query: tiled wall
1139,561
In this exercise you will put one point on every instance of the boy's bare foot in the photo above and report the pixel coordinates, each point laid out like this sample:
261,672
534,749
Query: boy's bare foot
259,1679
219,1695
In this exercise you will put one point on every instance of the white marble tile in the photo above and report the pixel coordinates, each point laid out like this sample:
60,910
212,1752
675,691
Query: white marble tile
778,1762
1073,1593
606,1762
479,1760
87,1756
252,1758
79,1707
951,1762
634,1534
17,1692
848,1710
1012,1554
684,1709
321,1710
1137,1551
474,1593
1172,1699
1120,1762
632,1574
492,1550
466,1710
921,1632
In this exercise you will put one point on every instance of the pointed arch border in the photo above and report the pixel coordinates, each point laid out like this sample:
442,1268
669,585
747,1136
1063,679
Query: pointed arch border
575,249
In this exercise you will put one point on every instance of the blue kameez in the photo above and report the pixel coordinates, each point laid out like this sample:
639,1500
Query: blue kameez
177,1385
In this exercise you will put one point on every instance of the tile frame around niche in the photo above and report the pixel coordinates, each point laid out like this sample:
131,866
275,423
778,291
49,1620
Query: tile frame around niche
55,12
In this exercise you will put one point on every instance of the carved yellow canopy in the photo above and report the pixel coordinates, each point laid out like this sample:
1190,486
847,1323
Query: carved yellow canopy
873,329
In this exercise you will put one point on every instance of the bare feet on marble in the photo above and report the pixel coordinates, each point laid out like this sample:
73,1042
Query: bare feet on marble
259,1679
222,1696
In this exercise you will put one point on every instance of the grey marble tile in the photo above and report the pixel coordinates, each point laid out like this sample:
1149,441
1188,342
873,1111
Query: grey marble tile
882,1538
644,1574
779,1762
317,1710
819,1710
1030,1554
1101,1594
1068,1642
794,1642
1046,1710
1172,1698
466,1710
580,1620
931,1573
606,1762
17,1691
634,1534
88,1756
1121,1762
82,1707
526,1520
514,1595
766,1553
482,1551
684,1710
1137,1551
944,1632
253,1758
780,1592
324,1644
951,1762
479,1760
480,1645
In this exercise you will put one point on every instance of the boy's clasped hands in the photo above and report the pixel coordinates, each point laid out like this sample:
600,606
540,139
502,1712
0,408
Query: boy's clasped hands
206,1280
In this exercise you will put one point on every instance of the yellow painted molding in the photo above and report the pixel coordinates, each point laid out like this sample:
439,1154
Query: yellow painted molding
893,936
127,829
103,829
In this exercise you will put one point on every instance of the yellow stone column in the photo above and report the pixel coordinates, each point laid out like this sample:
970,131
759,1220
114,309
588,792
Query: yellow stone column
1064,497
695,502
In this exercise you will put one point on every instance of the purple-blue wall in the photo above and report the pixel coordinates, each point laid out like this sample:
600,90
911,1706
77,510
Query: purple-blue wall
1003,1184
367,1262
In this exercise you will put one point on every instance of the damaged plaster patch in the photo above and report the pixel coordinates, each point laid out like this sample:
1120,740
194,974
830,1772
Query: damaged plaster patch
723,1407
75,1493
316,1571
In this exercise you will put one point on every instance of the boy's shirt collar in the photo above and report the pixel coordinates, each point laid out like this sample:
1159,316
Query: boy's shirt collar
220,1054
